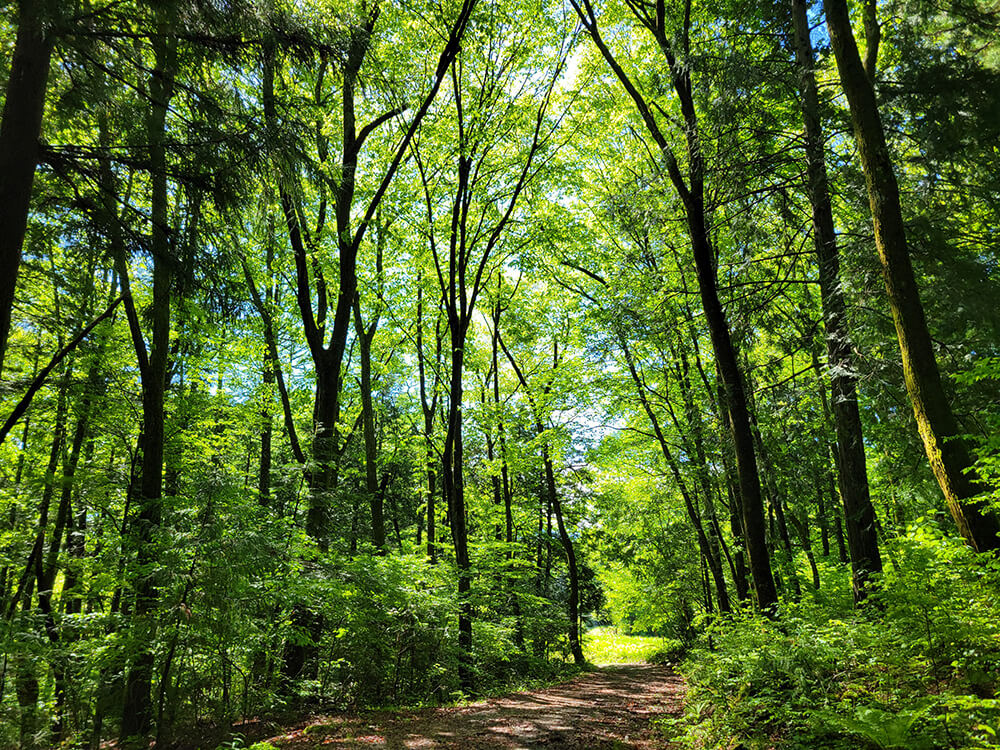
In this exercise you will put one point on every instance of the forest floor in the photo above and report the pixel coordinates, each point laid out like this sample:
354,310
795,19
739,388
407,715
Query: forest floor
610,708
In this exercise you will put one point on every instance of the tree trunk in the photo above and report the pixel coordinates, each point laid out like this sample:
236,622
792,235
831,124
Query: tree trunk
428,405
20,129
270,365
692,194
454,488
375,499
137,706
753,526
736,529
776,506
696,427
504,479
28,692
947,452
710,553
838,526
802,527
553,500
786,543
497,490
431,489
824,522
852,472
574,578
739,419
706,586
74,541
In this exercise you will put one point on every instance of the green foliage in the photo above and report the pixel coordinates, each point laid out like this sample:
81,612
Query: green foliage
608,645
388,618
639,604
238,742
916,668
262,546
985,375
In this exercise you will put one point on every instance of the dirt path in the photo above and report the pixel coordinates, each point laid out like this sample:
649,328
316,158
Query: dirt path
609,709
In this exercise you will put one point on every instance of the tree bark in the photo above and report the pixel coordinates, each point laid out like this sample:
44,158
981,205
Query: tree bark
365,335
852,472
428,405
567,543
747,472
504,479
735,514
838,525
20,130
453,477
271,365
137,705
949,456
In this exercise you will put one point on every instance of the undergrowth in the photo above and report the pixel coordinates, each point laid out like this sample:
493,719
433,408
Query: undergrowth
608,645
916,667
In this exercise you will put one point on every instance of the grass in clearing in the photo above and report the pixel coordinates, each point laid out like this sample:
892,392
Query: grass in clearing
606,645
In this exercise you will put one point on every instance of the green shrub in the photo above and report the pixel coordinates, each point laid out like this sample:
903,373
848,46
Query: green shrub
671,652
916,668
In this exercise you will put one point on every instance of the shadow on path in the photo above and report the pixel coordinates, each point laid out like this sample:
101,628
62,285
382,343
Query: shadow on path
609,709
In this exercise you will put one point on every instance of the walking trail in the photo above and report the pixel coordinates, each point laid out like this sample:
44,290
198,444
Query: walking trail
608,709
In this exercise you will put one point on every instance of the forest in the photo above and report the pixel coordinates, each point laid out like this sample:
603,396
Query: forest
377,353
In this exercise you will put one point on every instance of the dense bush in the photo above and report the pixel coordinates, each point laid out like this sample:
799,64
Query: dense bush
388,637
916,668
387,623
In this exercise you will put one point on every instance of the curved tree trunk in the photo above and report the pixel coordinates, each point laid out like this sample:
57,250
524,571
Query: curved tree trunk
575,646
691,191
747,471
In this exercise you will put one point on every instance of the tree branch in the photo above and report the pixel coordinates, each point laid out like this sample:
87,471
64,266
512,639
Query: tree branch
39,381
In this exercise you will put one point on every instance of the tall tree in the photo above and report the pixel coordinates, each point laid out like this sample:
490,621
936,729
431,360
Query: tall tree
691,191
328,356
365,335
137,708
949,456
328,352
536,398
429,395
852,472
488,94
